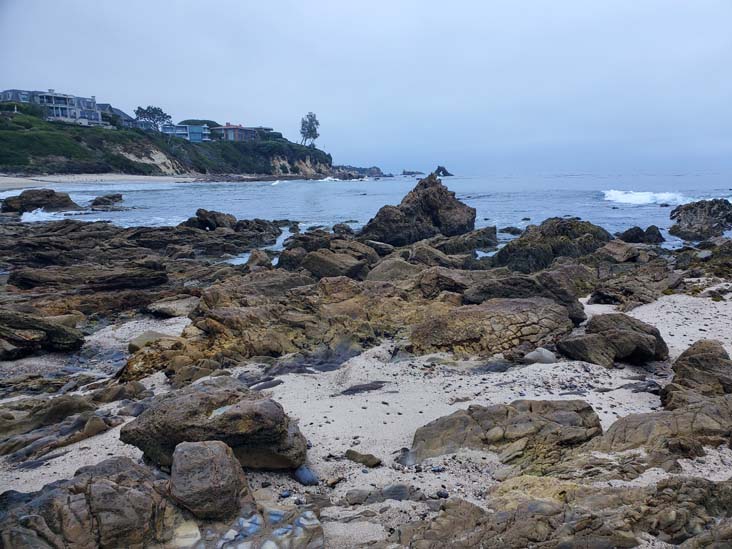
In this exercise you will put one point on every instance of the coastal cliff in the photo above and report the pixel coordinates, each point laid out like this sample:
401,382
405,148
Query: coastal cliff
31,145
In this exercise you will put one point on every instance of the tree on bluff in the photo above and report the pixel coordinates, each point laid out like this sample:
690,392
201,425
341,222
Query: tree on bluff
155,115
309,129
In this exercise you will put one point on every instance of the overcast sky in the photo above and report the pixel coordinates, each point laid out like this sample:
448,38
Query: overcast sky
483,86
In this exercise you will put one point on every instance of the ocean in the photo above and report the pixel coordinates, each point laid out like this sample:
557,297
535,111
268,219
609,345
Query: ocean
616,202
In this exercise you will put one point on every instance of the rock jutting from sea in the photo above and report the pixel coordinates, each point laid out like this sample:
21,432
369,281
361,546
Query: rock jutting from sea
378,388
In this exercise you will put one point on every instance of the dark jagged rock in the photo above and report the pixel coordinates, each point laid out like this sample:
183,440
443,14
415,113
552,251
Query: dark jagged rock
636,235
427,210
342,229
210,220
539,245
479,239
513,231
34,199
222,408
441,171
22,334
106,201
702,219
90,276
615,337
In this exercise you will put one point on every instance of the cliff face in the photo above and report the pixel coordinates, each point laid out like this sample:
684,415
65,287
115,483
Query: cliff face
306,167
30,145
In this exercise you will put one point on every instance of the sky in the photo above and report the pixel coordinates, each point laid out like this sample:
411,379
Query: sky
482,87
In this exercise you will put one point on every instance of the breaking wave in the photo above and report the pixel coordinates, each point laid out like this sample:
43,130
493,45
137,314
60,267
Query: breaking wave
645,197
39,215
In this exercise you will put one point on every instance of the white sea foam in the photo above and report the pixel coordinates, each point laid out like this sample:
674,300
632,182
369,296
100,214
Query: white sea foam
40,215
645,197
275,183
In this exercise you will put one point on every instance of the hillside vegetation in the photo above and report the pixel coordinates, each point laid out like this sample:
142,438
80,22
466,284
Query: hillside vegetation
31,145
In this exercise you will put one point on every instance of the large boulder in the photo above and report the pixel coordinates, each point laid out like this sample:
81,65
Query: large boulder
494,326
428,210
556,237
34,199
210,220
394,269
530,433
106,201
22,334
112,504
324,262
207,479
703,370
702,219
614,338
636,235
257,429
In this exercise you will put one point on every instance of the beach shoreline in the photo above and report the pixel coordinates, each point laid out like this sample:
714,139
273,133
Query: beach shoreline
12,182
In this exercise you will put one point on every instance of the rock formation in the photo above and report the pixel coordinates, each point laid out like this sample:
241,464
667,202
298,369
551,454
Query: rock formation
539,245
428,210
636,235
34,199
701,220
614,338
257,428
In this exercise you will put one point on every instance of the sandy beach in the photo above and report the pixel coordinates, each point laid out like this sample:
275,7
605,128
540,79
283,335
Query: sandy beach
418,390
11,182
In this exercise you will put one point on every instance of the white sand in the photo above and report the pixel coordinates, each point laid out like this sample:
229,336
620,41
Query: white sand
683,319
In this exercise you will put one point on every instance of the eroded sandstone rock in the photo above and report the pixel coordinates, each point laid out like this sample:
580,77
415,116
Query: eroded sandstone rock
257,429
532,434
494,326
112,504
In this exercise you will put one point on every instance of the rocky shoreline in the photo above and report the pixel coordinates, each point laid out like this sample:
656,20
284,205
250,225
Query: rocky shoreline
387,388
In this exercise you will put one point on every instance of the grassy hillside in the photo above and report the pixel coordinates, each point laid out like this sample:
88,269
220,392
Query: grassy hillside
29,144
